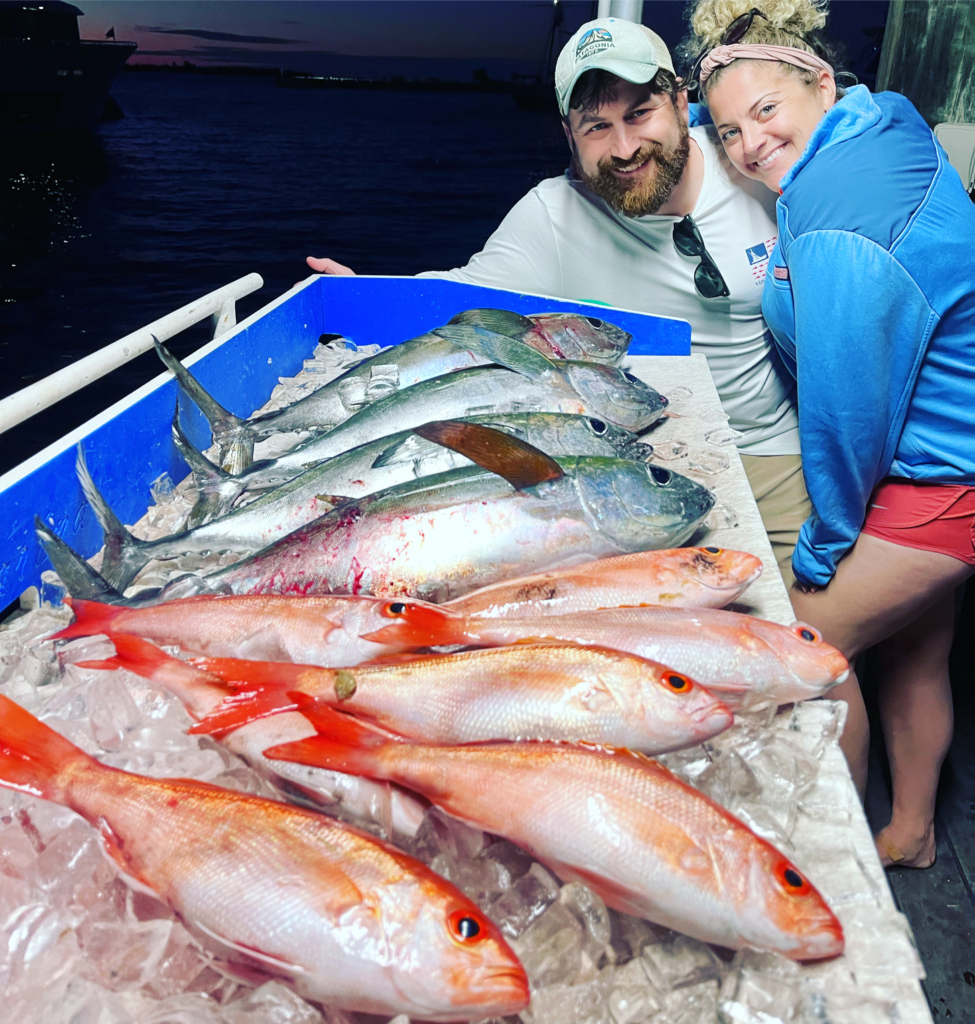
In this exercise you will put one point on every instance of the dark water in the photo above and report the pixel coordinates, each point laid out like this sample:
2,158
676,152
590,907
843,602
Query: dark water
207,179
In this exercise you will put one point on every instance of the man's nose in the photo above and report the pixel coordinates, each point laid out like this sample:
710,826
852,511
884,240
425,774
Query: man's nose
626,142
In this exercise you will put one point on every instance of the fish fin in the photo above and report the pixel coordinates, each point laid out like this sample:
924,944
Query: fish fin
282,965
518,462
234,436
32,755
124,554
217,489
113,846
422,625
91,618
402,658
505,351
501,321
76,574
343,744
243,674
411,449
240,709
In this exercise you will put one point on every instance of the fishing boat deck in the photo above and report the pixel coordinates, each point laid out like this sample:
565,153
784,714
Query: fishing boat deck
940,902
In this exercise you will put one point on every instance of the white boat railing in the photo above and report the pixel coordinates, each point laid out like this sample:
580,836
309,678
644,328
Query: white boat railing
220,304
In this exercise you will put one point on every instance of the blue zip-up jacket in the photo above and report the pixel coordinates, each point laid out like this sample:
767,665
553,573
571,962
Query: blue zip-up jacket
871,299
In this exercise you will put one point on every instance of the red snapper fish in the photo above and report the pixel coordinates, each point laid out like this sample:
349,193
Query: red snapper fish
354,922
646,842
675,577
312,630
539,691
202,693
742,659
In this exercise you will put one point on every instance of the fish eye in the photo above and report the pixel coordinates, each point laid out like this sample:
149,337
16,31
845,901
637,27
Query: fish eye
679,684
632,378
660,476
594,322
597,426
466,926
806,633
394,609
713,551
791,880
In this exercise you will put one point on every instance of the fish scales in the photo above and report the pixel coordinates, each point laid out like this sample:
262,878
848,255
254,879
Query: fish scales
354,922
648,843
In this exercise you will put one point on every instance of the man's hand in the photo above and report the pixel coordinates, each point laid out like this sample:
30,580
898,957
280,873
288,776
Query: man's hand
326,266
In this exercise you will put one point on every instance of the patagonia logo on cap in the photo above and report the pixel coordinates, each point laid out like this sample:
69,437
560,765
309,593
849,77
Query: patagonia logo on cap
592,42
781,273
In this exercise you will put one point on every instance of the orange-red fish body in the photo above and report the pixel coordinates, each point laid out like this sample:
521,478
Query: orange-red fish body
674,578
743,660
535,691
354,922
649,844
311,630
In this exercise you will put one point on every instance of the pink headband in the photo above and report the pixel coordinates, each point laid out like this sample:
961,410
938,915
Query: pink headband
721,56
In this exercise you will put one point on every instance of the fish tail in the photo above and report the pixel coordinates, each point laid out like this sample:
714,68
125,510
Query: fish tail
124,554
234,436
343,744
262,689
91,618
217,489
76,574
421,625
33,757
132,653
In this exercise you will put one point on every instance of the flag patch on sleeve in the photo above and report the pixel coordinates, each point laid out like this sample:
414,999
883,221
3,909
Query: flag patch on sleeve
758,257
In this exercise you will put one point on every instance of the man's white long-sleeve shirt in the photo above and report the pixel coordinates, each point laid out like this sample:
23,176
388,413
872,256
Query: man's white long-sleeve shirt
563,241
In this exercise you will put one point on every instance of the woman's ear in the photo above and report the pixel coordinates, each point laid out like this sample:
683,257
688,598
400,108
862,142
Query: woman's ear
827,89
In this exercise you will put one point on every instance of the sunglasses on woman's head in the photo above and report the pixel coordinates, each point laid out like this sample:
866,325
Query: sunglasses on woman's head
734,33
707,278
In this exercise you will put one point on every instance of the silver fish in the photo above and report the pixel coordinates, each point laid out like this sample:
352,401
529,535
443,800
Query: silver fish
376,466
391,460
400,366
444,535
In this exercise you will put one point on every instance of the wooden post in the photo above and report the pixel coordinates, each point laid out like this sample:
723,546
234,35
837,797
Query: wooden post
929,56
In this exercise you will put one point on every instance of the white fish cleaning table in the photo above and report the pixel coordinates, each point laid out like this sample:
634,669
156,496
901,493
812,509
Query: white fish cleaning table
877,979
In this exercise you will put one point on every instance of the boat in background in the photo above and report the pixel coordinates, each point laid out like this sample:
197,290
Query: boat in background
52,80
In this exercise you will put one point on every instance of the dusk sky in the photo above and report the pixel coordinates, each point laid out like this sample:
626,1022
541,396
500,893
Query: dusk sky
308,34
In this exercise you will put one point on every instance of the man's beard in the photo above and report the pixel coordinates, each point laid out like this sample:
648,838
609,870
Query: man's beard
647,193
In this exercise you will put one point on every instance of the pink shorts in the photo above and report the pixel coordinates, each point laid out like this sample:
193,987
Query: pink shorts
932,517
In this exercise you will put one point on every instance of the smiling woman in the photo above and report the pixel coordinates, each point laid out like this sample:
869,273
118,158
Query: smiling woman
872,304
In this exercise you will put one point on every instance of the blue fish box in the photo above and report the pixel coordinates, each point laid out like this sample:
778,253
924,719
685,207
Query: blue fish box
129,445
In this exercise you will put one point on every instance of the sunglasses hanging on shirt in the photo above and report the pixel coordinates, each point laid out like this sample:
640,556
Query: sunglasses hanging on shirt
707,278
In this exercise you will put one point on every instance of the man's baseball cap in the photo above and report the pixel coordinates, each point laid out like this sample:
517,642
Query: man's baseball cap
623,48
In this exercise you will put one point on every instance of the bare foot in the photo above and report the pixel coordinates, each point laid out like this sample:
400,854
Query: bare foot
906,852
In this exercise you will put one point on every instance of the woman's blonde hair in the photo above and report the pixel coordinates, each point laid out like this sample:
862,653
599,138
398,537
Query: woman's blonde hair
795,23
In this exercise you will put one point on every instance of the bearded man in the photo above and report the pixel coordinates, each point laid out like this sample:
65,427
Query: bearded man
651,217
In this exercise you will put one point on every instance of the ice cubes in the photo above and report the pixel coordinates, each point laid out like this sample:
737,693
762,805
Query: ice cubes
679,962
526,900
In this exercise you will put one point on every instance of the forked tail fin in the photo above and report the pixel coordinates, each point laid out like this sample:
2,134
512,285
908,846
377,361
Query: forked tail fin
33,757
343,744
124,555
234,435
76,574
217,489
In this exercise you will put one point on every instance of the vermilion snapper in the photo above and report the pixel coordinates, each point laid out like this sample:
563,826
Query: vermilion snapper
202,693
311,630
353,921
742,659
675,577
646,842
538,691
